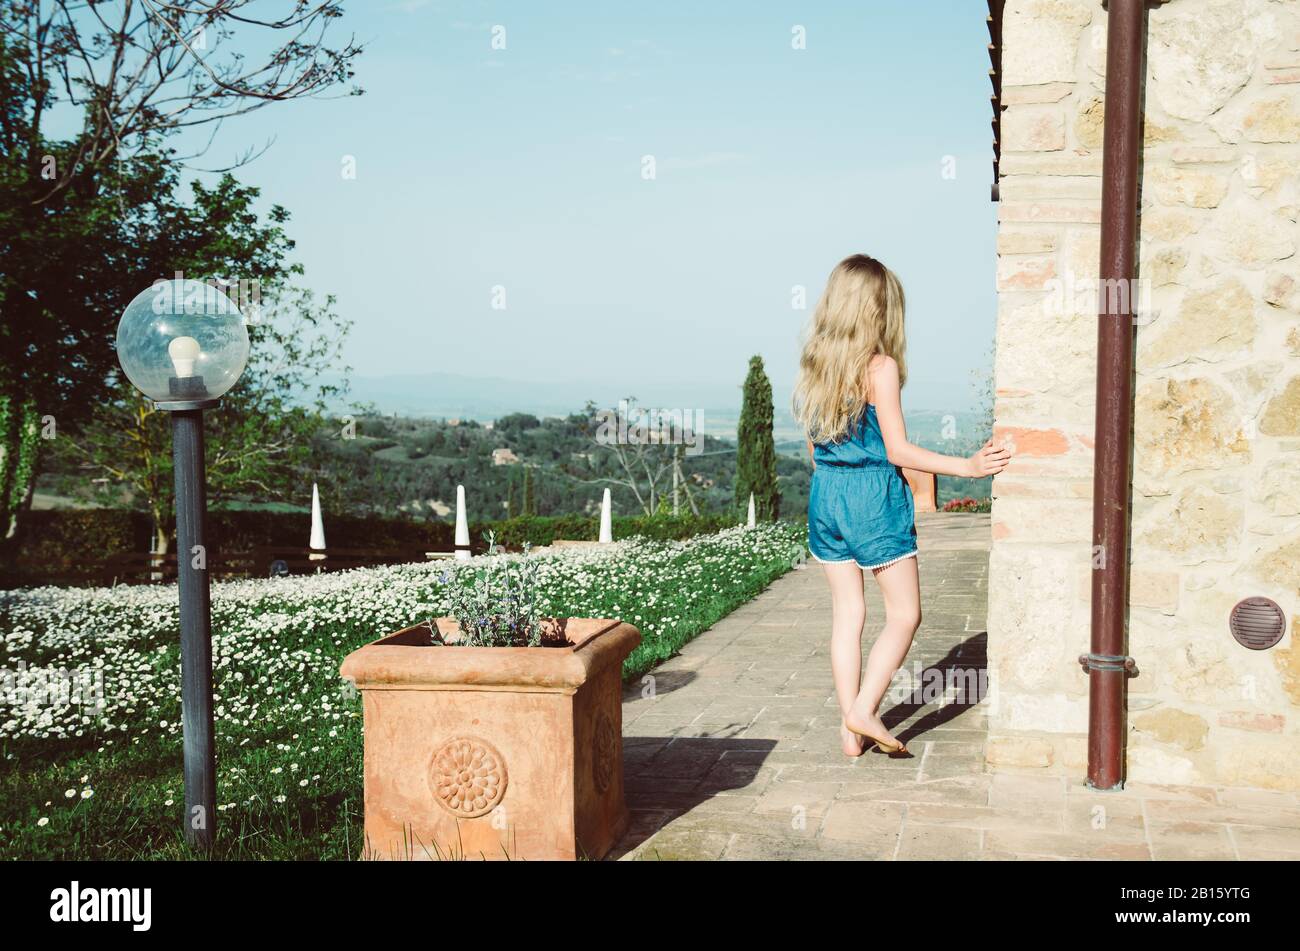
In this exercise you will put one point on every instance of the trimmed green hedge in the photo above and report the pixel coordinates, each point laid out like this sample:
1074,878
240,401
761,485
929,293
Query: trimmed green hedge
68,546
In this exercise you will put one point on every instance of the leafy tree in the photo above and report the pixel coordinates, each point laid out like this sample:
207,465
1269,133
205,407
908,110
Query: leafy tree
86,222
259,441
755,449
514,424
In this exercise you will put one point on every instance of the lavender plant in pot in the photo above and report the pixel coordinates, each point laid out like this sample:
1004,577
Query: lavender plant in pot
494,732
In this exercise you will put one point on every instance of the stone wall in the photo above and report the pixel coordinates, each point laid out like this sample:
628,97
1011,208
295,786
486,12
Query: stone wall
1216,495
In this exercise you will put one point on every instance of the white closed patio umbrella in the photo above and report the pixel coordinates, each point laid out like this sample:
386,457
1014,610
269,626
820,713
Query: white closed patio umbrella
462,526
606,522
753,520
317,540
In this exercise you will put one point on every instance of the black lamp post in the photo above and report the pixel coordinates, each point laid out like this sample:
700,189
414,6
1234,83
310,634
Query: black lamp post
183,344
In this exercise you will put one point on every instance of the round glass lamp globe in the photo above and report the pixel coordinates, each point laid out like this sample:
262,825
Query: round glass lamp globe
182,341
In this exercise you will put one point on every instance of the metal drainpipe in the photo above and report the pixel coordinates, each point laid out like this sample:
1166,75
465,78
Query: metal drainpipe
1106,664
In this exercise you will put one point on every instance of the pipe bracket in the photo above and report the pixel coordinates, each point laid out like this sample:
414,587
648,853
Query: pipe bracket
1108,662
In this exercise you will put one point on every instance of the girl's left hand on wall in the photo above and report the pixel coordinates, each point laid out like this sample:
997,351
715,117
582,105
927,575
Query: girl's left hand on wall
990,460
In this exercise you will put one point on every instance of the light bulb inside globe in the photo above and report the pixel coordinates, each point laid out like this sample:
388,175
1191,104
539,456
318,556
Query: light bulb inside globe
182,342
184,351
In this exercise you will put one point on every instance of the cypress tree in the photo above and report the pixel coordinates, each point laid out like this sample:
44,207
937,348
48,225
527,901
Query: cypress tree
755,447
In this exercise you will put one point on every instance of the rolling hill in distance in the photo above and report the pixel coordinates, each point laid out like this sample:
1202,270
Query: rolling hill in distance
418,437
453,395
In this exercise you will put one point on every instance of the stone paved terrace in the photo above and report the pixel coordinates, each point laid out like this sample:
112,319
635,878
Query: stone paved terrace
736,755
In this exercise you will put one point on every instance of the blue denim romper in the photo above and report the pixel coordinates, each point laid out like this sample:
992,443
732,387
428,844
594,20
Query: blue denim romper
860,507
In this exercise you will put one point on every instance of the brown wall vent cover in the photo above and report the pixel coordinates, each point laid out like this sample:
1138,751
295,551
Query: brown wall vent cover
1257,623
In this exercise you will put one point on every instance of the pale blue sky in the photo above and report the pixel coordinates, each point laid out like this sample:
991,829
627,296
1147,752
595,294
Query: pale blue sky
522,167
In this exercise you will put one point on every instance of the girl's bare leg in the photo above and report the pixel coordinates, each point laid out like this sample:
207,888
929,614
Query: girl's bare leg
900,589
848,612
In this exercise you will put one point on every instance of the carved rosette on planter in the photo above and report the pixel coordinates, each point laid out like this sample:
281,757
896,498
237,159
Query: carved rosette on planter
494,752
468,776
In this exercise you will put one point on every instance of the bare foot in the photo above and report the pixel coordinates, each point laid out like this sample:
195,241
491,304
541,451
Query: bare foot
850,742
872,727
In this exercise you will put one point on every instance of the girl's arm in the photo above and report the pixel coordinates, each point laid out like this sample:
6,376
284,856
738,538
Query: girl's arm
885,390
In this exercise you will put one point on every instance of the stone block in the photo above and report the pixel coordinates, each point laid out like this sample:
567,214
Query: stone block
1186,424
1260,760
1040,40
1212,322
1033,128
1174,727
1011,241
1018,751
1202,54
1183,186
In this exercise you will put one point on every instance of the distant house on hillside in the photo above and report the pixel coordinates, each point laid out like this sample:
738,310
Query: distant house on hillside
503,457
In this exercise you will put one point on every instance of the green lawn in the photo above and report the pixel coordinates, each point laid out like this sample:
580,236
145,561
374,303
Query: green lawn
106,784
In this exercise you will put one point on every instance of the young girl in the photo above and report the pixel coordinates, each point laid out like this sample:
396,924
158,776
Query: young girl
860,510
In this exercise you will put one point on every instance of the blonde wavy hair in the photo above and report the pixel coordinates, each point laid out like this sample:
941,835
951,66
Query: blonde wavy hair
859,316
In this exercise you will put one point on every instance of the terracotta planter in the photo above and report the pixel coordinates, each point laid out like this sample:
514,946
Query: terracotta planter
494,752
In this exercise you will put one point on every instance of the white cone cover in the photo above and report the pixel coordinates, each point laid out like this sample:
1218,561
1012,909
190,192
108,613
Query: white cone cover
317,523
606,525
462,525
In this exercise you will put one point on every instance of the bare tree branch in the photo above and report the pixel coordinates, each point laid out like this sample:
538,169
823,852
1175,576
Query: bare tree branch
156,67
